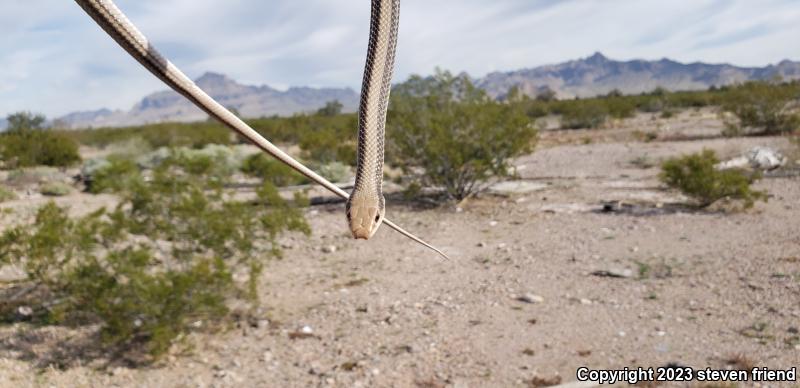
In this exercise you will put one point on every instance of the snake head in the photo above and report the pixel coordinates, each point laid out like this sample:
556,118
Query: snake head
365,214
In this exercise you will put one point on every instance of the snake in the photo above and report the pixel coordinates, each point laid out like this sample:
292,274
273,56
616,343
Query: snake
365,206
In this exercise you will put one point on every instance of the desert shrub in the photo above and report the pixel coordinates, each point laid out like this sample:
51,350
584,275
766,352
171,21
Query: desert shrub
192,135
583,114
55,189
446,133
696,176
620,107
762,105
334,171
110,175
158,265
266,167
330,139
33,175
331,108
654,105
7,194
27,143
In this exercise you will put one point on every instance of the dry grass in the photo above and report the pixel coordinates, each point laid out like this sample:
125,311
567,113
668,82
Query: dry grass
740,361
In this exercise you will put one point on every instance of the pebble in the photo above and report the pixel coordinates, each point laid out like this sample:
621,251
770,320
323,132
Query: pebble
481,244
306,330
25,311
329,249
492,223
614,273
586,301
530,298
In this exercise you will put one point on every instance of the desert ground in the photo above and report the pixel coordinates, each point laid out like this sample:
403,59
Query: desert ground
542,280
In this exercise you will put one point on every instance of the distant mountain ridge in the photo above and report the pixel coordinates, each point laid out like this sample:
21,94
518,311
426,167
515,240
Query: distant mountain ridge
590,76
597,74
247,100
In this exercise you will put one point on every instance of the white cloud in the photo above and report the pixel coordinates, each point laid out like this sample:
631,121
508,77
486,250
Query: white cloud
55,60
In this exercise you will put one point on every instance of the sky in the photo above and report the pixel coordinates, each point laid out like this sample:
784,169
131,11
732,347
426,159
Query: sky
55,60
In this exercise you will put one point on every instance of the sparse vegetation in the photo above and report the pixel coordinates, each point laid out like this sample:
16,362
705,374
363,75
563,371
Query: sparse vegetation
695,175
583,114
265,167
158,265
6,195
762,106
55,189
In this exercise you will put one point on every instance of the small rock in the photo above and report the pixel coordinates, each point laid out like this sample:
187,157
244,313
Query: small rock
492,223
614,273
530,298
585,301
307,330
25,311
621,333
481,244
329,249
266,357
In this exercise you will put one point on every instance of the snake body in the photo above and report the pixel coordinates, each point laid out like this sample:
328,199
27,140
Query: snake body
372,110
366,205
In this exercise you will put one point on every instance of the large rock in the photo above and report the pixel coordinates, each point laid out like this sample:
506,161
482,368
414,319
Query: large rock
758,158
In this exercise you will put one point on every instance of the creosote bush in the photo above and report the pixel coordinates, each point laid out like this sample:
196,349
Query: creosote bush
695,175
763,106
158,265
266,167
111,175
444,132
27,143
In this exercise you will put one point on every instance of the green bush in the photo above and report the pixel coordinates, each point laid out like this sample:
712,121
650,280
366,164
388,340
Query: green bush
583,114
110,175
334,171
192,135
7,195
26,143
157,266
446,133
55,189
695,175
268,168
330,139
763,106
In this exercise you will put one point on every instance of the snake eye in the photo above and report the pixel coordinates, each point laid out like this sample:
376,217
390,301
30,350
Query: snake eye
378,217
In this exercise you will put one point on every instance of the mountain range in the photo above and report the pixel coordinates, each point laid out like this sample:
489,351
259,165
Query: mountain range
584,77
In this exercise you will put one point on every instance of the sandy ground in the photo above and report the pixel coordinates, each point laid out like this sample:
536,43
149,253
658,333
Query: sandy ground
519,303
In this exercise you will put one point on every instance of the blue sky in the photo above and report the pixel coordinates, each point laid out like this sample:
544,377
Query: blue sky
55,60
